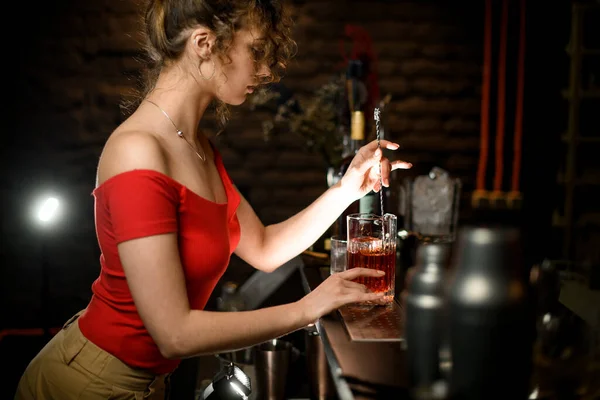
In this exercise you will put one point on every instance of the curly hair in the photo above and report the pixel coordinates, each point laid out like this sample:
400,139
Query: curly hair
168,22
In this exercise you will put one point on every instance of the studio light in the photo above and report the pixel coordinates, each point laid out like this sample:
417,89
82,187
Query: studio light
46,210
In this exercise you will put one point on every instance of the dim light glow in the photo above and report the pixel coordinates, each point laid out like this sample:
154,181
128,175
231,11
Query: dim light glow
534,394
427,301
476,289
48,209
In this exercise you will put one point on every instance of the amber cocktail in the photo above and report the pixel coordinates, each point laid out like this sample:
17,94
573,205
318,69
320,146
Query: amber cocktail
372,244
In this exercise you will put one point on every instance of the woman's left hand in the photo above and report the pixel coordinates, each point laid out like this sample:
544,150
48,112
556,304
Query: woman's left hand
362,175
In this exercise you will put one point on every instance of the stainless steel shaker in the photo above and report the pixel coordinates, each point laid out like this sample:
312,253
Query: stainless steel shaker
491,324
424,323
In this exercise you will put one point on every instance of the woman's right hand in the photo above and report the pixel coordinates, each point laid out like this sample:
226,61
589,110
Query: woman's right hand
338,290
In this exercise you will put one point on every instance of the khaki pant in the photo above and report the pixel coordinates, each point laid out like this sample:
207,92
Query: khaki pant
71,367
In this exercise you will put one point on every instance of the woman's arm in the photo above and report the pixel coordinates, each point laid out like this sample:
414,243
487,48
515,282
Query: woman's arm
267,248
157,284
155,278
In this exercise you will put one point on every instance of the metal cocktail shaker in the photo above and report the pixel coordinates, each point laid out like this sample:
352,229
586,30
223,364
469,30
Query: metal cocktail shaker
424,323
491,323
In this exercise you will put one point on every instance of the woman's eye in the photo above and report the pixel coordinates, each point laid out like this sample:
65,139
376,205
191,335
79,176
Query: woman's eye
258,53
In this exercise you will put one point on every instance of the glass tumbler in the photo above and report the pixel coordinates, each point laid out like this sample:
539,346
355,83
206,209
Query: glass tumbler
338,255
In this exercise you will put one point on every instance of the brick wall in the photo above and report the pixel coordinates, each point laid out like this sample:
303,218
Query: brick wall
77,59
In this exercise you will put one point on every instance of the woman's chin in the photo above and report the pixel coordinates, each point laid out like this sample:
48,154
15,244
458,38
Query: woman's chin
235,101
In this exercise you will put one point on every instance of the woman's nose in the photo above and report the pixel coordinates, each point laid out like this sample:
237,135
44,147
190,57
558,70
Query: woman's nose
264,72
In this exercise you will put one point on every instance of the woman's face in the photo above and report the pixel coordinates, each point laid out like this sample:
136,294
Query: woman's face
242,75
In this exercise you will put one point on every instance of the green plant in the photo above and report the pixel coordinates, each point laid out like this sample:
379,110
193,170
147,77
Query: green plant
314,118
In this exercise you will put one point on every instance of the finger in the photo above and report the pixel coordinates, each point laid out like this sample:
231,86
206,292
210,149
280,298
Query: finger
376,186
356,272
382,301
373,175
368,160
398,164
385,172
375,297
355,286
371,146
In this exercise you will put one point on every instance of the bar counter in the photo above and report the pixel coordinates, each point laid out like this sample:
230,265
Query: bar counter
377,369
359,369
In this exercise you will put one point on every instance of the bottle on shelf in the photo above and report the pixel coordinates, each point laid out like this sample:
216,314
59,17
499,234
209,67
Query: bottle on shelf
353,110
357,139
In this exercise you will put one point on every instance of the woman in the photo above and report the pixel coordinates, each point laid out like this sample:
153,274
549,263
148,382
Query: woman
168,217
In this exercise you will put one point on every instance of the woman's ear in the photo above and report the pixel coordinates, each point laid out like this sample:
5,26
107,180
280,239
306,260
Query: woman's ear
203,41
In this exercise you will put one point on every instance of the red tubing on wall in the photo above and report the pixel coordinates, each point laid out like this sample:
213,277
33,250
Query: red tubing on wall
485,97
516,169
501,106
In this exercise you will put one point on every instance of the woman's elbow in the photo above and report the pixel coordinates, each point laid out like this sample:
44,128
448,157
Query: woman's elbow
171,347
169,352
268,268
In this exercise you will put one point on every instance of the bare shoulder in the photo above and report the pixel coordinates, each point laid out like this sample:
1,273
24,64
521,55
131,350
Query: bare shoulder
128,150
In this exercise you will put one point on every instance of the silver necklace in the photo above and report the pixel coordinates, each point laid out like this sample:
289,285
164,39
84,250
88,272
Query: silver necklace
179,133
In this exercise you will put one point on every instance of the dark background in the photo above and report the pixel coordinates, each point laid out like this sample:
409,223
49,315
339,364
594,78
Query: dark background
68,63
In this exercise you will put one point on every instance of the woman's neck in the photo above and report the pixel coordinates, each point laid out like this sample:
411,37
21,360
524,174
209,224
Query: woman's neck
183,98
